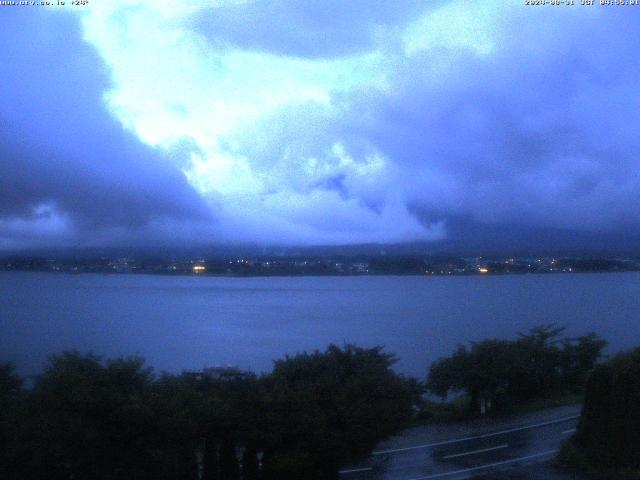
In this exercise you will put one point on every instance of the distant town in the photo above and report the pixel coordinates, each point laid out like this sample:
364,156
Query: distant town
319,266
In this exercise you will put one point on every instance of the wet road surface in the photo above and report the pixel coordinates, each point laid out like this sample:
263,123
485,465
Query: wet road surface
520,447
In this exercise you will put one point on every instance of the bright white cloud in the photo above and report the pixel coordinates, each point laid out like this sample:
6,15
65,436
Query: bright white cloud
440,112
170,83
463,25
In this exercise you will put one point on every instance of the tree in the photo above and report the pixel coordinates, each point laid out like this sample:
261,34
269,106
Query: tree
250,466
503,372
229,466
609,429
88,419
10,385
206,415
579,356
536,361
327,408
181,419
483,372
10,411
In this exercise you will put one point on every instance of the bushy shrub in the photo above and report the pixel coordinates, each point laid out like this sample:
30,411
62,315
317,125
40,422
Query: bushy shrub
609,429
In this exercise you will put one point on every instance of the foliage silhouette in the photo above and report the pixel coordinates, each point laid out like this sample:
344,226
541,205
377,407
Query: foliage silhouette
96,419
503,373
609,429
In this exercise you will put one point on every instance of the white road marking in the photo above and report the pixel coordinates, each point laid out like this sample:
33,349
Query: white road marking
566,432
473,452
488,465
475,437
355,470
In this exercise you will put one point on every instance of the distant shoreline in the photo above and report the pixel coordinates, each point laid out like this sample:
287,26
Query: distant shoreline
318,266
310,275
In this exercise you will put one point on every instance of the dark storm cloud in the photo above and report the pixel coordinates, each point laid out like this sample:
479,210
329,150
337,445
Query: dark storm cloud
538,132
60,149
333,121
534,131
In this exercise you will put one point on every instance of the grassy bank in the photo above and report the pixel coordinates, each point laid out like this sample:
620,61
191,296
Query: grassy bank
573,459
459,409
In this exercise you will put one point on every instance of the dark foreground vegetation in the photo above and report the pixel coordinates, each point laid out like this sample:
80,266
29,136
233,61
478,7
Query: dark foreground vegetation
92,419
607,442
498,375
89,418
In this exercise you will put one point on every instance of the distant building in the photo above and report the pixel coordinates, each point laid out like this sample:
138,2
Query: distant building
217,374
122,265
360,267
199,268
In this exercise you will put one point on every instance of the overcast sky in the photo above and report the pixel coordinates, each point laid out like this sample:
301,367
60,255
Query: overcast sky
304,122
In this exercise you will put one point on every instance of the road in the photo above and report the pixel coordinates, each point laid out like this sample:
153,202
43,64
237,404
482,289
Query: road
520,447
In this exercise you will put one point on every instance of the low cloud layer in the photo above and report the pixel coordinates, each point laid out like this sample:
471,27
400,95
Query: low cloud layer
290,123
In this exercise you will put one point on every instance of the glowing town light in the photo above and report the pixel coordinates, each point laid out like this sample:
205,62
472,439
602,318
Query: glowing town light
483,270
199,268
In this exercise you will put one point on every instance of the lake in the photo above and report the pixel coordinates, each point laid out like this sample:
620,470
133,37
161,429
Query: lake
181,323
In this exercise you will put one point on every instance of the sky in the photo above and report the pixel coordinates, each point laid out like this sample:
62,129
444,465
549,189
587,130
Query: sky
296,122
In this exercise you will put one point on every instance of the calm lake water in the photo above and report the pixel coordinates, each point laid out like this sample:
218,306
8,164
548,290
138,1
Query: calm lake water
190,322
